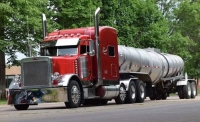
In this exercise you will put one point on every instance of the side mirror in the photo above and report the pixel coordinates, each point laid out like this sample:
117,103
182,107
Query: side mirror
92,48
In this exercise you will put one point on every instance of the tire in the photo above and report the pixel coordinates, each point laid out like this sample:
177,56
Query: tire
164,96
180,92
158,96
141,92
193,90
187,91
103,102
74,95
21,107
152,96
120,99
131,93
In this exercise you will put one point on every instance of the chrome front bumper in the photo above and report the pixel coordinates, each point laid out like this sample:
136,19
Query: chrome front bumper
35,96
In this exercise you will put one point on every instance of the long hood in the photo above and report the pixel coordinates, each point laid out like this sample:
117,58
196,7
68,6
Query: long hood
65,64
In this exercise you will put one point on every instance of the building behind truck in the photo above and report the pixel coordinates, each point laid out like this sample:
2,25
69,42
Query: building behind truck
87,66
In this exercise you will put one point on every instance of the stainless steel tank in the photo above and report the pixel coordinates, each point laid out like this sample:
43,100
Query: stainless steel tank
157,65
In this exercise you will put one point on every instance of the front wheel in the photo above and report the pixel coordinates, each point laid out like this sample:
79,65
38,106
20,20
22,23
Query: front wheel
21,107
74,95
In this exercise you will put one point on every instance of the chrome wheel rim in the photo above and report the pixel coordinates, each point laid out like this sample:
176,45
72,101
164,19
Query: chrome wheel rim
75,94
133,92
193,89
189,90
142,91
122,93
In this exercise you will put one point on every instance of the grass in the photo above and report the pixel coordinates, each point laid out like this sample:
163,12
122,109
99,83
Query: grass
3,101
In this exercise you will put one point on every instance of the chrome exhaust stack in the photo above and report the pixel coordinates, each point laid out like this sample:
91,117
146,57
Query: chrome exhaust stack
99,70
44,25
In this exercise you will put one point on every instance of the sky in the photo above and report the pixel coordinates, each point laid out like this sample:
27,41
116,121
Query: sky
19,56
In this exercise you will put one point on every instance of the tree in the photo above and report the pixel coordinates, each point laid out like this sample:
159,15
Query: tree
72,13
20,26
184,33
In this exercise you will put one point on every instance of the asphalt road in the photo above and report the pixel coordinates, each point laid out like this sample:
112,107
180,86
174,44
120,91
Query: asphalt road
171,110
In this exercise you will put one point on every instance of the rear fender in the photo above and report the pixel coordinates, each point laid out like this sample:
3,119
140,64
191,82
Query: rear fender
127,82
183,82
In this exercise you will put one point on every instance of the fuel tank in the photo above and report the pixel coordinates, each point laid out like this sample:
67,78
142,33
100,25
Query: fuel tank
151,61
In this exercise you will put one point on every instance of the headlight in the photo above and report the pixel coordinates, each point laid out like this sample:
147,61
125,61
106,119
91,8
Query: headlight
16,83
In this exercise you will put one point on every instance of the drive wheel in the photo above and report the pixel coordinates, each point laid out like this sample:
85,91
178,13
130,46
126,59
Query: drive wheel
74,95
141,92
180,92
164,96
21,107
193,89
103,102
187,91
120,99
131,93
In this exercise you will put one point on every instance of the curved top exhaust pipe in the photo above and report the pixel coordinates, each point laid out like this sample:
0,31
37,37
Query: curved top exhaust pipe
99,70
44,25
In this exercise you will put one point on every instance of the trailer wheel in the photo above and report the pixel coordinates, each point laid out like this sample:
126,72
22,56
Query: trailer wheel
74,95
187,91
131,93
21,107
193,89
141,93
120,99
180,92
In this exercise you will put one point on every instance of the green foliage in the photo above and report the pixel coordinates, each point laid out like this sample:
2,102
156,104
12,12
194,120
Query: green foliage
73,13
22,25
184,32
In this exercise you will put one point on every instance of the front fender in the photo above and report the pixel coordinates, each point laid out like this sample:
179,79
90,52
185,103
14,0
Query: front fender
65,79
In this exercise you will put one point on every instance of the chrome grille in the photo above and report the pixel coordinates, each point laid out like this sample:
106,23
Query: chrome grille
35,73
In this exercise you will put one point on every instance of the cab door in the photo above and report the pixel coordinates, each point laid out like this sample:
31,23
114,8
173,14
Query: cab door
110,72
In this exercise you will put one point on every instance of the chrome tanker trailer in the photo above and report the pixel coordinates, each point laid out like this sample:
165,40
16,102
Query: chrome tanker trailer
165,71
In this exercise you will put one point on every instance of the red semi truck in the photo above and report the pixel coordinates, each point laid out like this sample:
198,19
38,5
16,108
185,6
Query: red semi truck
86,66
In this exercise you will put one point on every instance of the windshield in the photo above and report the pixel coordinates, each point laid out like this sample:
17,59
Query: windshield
59,51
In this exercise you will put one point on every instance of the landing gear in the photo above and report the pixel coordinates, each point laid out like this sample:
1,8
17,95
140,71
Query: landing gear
74,95
158,95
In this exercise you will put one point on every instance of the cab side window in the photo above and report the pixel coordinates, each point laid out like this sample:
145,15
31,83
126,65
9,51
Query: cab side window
84,49
111,51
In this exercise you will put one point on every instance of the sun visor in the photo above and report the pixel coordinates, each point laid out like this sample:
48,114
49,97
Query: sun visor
67,42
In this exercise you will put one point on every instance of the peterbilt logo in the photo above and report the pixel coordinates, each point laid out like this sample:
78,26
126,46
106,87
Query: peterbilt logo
104,50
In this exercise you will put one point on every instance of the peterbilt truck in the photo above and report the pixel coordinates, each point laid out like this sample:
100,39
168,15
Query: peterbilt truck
86,66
